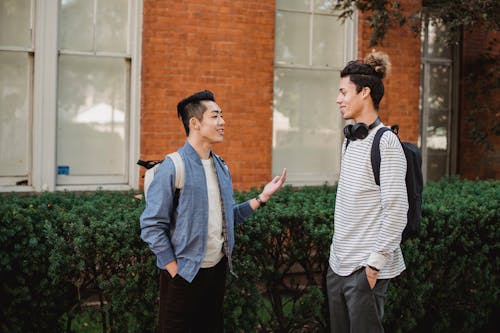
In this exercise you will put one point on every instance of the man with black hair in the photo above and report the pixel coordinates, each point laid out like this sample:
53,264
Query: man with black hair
365,252
191,232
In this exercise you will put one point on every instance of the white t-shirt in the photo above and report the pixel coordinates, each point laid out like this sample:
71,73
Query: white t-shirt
215,240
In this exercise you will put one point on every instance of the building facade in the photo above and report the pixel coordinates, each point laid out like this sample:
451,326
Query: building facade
89,87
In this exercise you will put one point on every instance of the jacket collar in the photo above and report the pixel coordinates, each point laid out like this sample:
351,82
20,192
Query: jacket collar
191,153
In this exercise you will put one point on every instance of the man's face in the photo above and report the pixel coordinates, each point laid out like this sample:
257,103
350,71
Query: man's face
212,123
349,100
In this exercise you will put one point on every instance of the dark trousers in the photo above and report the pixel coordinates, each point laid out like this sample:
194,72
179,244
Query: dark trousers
196,306
354,306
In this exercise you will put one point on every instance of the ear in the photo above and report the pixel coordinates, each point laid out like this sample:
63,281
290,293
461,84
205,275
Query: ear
194,123
366,91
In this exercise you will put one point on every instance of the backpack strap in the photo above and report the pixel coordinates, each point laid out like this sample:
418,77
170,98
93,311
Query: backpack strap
153,166
375,153
179,168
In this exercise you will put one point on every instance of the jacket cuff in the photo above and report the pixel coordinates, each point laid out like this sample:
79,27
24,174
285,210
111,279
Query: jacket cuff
245,210
163,258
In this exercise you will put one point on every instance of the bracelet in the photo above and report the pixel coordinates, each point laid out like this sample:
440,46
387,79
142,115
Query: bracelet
261,203
373,268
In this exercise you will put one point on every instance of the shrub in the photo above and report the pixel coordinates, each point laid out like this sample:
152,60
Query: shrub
451,284
74,246
29,301
59,251
280,252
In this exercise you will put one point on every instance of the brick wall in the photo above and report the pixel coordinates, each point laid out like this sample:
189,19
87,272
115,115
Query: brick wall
228,47
225,46
401,99
480,111
479,108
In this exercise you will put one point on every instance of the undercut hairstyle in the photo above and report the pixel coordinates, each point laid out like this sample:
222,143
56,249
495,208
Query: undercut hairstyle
369,73
192,106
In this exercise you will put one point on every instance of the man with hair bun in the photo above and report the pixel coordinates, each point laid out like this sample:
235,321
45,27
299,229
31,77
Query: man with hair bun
369,219
191,231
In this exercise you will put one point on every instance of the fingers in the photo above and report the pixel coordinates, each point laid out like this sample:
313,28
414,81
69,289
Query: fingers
274,185
276,179
281,178
283,175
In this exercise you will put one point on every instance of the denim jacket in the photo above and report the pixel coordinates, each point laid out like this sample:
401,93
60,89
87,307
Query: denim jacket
182,234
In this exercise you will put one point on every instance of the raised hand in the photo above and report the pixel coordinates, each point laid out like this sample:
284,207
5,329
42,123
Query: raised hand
273,186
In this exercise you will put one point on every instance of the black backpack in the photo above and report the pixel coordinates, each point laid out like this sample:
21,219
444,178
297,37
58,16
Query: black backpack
414,179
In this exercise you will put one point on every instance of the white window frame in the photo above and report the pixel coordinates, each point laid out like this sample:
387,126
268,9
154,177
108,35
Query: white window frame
5,180
351,50
44,119
452,134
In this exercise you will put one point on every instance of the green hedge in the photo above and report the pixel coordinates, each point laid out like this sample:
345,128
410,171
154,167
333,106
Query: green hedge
59,251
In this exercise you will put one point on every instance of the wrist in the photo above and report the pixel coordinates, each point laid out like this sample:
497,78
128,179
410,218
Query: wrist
260,200
373,268
264,197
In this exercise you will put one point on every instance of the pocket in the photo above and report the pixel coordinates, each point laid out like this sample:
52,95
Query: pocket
362,280
178,281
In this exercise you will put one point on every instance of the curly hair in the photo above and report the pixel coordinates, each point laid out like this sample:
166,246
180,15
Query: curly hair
369,73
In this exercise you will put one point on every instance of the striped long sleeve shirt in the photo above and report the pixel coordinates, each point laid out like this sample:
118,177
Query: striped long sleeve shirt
369,219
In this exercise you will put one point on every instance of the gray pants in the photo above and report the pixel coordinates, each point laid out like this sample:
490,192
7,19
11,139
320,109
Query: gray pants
354,306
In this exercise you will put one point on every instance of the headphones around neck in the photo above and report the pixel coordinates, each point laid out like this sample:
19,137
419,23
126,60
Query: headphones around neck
359,131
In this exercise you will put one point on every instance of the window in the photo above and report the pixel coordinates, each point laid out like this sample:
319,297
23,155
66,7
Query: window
311,47
438,104
69,81
16,101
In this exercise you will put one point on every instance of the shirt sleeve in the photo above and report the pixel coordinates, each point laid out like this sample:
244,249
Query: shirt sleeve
156,218
394,200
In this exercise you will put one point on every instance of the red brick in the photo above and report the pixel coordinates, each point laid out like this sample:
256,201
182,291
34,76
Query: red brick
227,47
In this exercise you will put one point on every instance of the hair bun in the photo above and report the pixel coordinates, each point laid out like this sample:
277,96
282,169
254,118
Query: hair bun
380,63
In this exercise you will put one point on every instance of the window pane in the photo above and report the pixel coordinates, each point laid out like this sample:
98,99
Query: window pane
437,44
439,86
92,116
292,38
437,164
437,133
324,6
76,25
438,122
306,133
303,5
327,47
112,24
15,119
15,23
